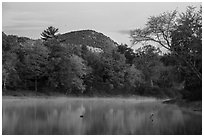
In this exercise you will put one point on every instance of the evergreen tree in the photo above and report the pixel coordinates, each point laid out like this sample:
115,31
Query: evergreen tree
49,33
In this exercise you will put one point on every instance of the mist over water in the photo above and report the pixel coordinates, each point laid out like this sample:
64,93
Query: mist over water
96,116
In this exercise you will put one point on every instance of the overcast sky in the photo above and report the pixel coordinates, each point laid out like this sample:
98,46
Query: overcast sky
112,19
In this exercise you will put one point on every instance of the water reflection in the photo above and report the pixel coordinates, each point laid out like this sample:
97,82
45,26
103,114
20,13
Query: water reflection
92,116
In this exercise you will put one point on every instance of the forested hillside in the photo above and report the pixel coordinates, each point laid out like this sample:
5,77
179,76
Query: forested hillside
87,62
88,38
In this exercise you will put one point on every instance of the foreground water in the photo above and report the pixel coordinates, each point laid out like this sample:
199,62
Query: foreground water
96,116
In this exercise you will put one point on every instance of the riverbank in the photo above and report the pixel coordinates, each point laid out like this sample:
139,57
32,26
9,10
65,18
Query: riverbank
29,93
192,105
52,94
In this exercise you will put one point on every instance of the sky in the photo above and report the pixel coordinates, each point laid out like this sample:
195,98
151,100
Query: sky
112,19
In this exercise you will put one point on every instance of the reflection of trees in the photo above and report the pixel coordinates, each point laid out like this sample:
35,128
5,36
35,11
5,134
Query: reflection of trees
170,120
6,120
100,117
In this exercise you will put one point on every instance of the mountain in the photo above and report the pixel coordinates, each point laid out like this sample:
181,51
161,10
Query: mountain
89,38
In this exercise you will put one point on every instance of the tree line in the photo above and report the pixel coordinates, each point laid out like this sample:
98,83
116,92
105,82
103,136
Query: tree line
49,64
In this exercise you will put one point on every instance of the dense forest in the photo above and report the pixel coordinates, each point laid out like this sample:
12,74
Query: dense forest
89,63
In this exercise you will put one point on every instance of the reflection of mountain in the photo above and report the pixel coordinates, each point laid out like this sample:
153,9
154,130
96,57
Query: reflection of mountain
100,117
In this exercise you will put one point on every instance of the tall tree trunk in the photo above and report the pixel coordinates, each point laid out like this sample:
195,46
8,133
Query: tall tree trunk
4,84
151,83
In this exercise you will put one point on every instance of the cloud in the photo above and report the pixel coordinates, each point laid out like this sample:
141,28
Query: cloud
126,32
31,24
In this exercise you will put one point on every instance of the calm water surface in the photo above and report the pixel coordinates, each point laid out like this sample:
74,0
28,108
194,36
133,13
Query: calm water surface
96,116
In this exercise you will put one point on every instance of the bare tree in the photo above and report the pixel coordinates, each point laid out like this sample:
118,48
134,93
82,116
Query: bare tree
159,29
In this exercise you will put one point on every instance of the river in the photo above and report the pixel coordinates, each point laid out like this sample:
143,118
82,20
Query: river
96,116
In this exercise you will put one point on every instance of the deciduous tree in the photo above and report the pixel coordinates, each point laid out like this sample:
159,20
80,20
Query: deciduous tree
162,30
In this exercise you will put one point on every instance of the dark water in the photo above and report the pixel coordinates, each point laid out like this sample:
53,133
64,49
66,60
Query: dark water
97,116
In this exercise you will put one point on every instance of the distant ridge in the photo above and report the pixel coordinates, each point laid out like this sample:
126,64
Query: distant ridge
88,38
